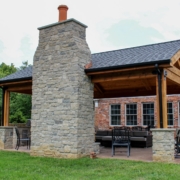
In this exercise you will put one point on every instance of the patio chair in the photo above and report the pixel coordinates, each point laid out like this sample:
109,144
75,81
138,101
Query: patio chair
24,139
120,138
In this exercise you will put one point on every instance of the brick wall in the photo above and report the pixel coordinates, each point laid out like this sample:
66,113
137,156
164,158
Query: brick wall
102,114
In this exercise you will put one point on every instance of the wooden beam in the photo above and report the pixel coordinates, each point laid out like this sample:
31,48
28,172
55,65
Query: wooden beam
117,77
175,58
6,107
174,70
127,69
173,75
164,101
99,88
19,88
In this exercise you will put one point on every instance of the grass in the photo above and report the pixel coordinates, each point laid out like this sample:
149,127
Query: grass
16,165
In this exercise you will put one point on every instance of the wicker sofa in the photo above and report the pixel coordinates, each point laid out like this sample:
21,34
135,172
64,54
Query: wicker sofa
138,138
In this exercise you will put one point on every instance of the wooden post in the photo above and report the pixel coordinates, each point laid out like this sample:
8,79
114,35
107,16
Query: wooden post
157,101
6,107
164,100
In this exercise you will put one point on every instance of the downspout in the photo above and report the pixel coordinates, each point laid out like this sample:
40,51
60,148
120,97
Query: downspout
158,71
2,110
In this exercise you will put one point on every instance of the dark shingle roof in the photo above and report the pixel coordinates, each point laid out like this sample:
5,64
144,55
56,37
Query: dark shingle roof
149,54
22,74
136,55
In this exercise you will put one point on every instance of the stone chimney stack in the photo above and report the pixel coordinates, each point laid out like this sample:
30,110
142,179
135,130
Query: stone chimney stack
62,12
62,94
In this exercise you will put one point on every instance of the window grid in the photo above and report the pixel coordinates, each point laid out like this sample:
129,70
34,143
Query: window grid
131,114
170,113
115,114
148,114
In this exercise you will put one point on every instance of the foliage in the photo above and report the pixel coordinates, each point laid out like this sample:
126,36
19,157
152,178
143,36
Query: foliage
16,165
17,117
20,104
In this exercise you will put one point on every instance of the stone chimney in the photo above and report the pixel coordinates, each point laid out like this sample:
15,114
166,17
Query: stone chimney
62,100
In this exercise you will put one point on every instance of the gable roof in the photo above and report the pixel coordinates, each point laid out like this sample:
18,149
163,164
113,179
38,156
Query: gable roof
142,55
19,75
129,57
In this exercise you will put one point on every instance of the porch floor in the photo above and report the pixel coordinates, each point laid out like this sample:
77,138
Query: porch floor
137,154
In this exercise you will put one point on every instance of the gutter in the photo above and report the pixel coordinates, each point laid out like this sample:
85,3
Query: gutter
166,61
15,80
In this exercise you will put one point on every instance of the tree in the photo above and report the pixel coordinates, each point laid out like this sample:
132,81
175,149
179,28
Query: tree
20,104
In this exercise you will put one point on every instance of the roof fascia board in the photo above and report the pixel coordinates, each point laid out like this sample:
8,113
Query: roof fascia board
15,80
167,61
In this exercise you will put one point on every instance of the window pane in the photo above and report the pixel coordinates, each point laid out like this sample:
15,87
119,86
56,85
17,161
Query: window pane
170,113
148,114
131,114
115,114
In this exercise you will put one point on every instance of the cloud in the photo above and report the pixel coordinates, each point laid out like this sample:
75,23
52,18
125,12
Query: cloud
26,49
1,46
129,33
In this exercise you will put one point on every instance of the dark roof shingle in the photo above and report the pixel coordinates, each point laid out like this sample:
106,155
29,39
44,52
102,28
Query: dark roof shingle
135,55
22,74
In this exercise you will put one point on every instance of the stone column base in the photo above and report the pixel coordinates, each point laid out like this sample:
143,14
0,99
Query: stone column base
6,137
163,145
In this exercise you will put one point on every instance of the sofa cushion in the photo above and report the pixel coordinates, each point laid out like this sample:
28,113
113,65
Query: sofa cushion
101,133
140,133
109,133
137,138
99,137
107,138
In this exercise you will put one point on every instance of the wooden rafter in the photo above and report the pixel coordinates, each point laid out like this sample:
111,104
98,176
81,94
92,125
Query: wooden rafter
146,84
173,74
99,88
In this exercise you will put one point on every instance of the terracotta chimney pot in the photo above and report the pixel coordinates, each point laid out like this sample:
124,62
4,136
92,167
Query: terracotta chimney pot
62,12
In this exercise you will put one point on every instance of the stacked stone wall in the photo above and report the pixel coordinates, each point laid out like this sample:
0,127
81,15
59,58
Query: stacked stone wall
62,101
6,137
163,145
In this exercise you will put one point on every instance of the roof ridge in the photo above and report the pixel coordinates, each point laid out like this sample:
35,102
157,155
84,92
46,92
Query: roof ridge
137,47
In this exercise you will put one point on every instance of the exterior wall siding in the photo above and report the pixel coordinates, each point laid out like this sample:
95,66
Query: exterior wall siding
102,112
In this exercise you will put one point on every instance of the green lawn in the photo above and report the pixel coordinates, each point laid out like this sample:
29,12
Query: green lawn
16,165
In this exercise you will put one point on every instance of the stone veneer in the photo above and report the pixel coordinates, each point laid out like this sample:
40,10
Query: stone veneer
62,101
6,137
163,145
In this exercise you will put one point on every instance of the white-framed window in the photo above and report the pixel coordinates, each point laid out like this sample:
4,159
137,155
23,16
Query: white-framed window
115,114
170,114
148,114
131,114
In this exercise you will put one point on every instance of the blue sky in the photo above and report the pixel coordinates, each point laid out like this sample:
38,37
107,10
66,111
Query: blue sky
111,24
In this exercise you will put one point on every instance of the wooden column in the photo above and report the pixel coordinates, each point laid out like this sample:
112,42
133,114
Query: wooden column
157,101
164,100
161,113
6,107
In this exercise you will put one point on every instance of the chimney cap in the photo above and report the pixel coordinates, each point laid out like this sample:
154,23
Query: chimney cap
63,6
